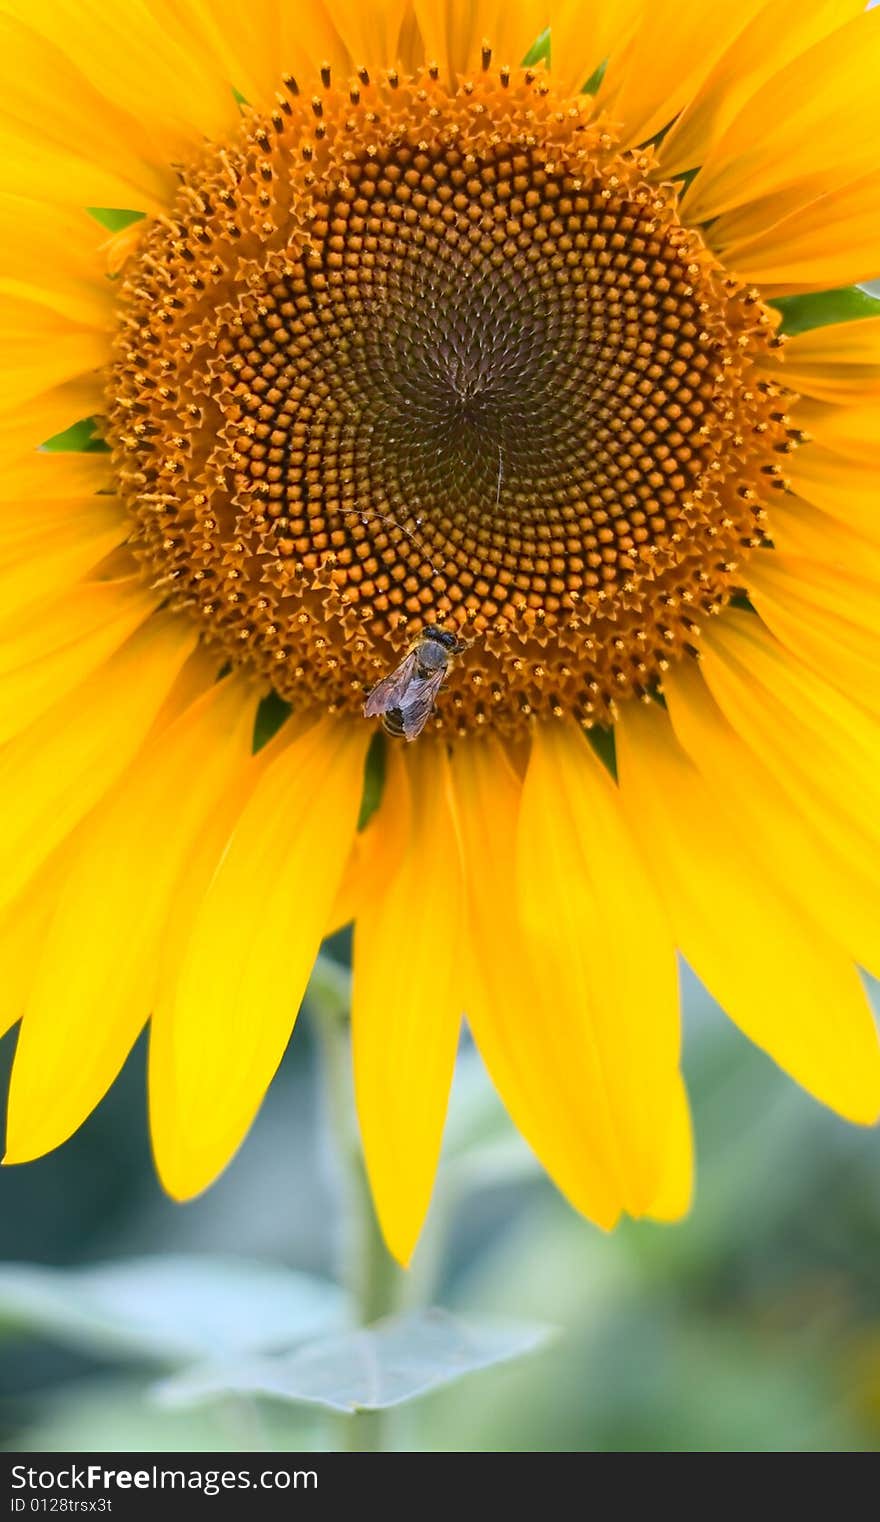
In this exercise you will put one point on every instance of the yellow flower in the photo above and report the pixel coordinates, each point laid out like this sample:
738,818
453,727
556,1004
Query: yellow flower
420,336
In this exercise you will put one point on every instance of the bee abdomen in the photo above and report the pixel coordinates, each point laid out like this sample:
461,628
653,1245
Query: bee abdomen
392,723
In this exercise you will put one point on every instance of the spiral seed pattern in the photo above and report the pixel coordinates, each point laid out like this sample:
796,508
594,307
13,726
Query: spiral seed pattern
398,357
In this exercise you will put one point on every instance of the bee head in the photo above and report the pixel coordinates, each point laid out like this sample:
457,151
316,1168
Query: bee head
443,637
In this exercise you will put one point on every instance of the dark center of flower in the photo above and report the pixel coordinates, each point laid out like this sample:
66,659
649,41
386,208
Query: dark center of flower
398,359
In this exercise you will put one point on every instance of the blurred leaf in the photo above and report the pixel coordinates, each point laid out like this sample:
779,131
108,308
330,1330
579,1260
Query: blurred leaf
820,308
329,990
481,1146
476,1114
170,1308
119,1415
502,1162
379,1366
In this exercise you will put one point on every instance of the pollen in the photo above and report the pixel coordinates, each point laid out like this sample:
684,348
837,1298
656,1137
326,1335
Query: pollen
397,357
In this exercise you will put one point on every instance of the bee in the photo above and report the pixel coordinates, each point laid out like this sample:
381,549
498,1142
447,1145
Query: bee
404,701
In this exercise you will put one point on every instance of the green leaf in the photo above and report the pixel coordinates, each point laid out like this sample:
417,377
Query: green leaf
172,1309
114,218
602,742
374,780
79,438
817,310
592,85
379,1366
539,52
271,714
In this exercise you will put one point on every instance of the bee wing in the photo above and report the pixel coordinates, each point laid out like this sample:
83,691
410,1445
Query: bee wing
417,705
392,690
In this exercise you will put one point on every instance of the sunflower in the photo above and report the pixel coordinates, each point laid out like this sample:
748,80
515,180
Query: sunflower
469,316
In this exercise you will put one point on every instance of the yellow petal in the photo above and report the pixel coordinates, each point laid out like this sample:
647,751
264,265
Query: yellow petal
49,476
136,57
774,35
350,893
29,424
253,48
756,218
845,488
53,773
62,521
376,851
594,930
454,34
851,433
49,554
97,971
23,929
406,1004
799,528
823,746
783,981
370,35
796,128
42,350
828,617
196,676
60,642
251,946
676,45
74,286
836,363
116,250
187,897
756,801
243,42
60,176
537,1045
829,241
741,646
582,37
675,1195
83,151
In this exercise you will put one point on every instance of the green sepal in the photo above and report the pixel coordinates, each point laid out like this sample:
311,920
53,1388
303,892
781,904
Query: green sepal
819,309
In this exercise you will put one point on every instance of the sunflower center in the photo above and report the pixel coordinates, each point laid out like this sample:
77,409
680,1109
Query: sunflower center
398,358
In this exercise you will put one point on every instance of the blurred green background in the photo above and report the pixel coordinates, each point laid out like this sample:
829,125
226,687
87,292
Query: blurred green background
754,1325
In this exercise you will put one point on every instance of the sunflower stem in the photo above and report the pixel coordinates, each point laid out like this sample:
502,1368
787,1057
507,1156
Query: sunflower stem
372,1276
